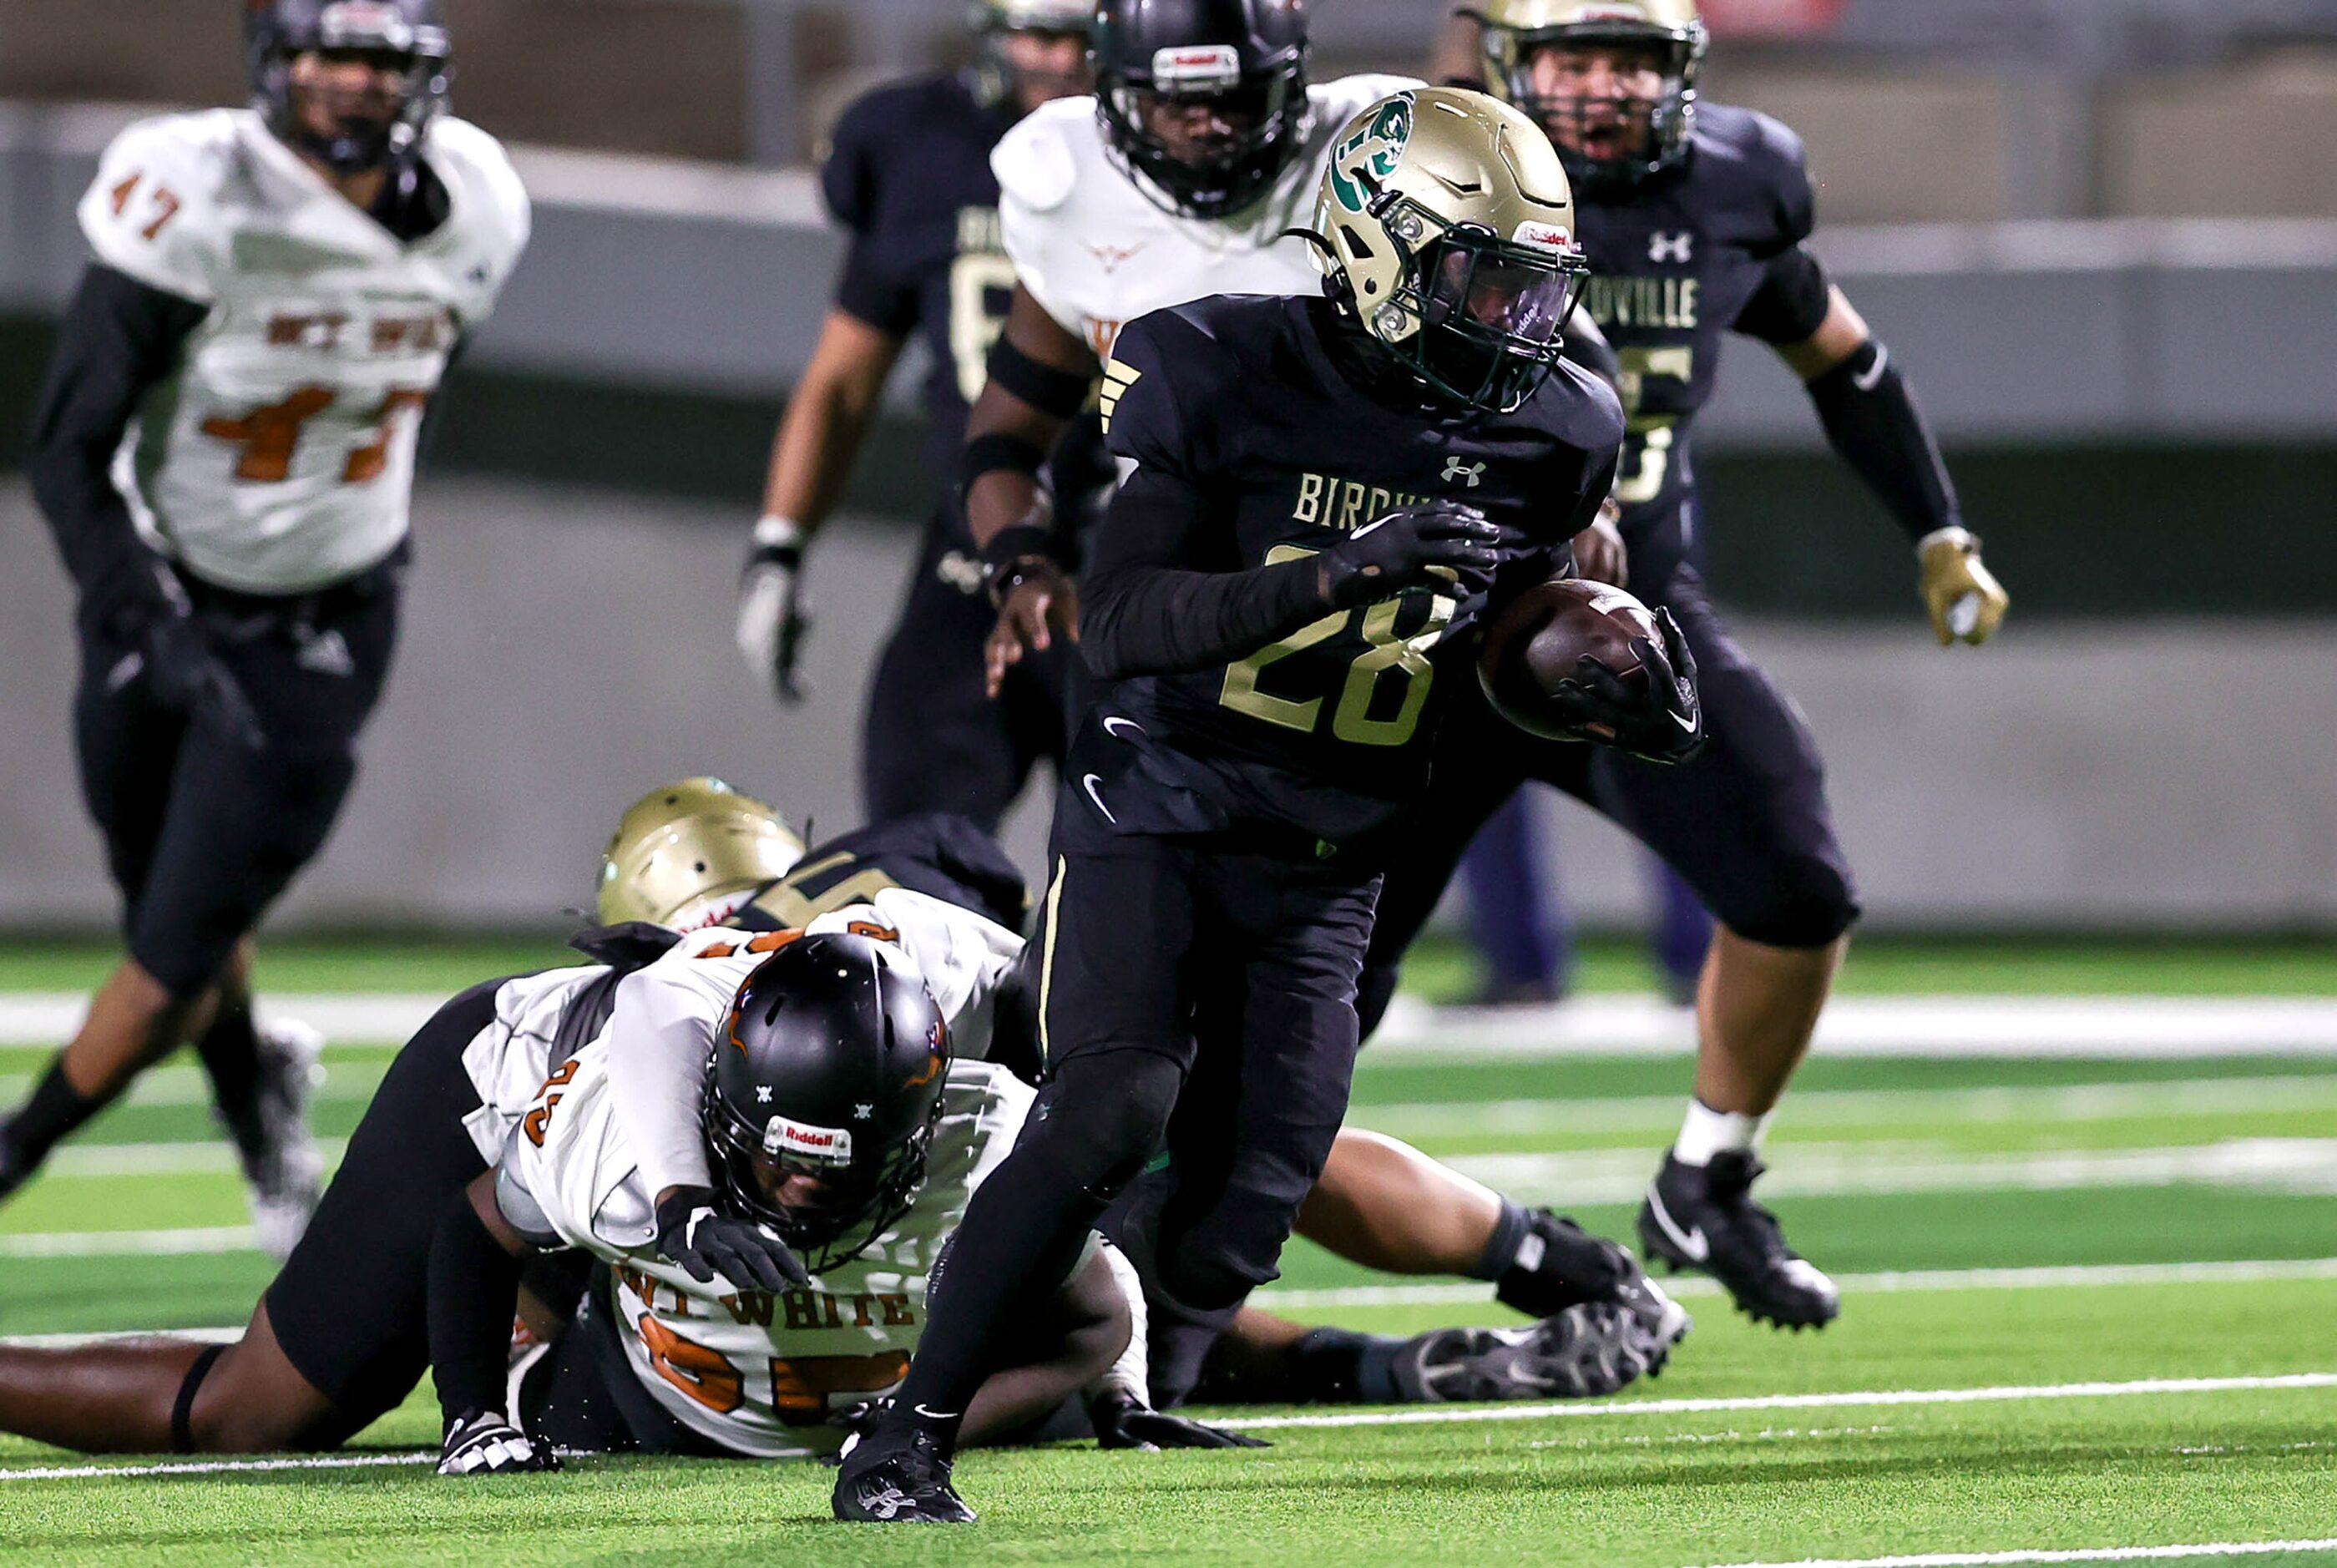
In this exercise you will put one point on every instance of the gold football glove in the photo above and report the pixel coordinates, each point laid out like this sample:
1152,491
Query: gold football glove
1966,602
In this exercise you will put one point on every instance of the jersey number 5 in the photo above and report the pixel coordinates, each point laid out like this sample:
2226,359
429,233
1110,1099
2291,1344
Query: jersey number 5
268,434
1384,650
799,1387
1647,438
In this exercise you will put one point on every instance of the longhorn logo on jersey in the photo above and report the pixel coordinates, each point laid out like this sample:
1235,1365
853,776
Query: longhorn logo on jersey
1369,156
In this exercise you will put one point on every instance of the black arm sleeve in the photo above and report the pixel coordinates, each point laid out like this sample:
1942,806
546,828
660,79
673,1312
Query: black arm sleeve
473,1290
1145,611
119,338
1872,421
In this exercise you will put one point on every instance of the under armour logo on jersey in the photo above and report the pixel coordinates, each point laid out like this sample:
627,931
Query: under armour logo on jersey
1456,469
325,653
1109,257
1663,247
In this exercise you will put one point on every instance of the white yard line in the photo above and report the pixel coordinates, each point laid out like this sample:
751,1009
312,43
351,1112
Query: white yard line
1811,1108
1437,1416
1869,1170
2027,1026
191,1158
131,1243
215,1467
2078,1555
2007,1394
191,1086
2022,1027
2248,1271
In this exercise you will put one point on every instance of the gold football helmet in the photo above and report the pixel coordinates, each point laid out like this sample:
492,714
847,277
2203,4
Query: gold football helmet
686,844
1603,133
1448,227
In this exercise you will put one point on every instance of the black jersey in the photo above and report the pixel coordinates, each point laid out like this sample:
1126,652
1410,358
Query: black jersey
1676,262
909,175
939,855
1318,737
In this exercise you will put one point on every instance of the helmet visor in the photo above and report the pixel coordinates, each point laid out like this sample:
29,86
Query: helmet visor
1526,301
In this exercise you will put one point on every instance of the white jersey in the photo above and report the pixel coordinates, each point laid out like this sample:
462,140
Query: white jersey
666,1013
1097,250
277,456
753,1371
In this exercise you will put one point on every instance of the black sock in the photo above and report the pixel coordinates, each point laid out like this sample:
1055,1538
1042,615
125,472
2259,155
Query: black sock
230,1053
1340,1367
49,1113
1509,1233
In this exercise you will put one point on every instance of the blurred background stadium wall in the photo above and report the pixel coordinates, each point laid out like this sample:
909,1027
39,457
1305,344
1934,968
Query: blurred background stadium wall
2103,233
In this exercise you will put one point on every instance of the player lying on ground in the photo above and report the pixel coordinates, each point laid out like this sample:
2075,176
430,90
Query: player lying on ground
337,1339
1225,816
697,851
275,295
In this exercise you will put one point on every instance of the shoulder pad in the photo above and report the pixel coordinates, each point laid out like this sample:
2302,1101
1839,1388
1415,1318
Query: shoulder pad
153,211
490,202
1035,161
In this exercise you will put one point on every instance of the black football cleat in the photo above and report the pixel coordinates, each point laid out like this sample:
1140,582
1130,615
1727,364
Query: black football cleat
1703,1218
899,1479
1585,1352
1561,1265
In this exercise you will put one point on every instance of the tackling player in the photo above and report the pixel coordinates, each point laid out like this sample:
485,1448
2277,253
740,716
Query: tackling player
1693,217
1267,592
909,176
225,450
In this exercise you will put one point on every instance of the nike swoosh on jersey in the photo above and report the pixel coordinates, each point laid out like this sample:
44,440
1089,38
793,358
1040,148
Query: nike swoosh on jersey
1115,718
1088,783
1691,1243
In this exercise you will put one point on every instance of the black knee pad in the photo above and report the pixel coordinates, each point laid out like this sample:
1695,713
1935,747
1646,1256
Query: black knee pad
1100,1115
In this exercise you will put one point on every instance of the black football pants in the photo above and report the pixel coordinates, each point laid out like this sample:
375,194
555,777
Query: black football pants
1191,997
934,739
1746,823
202,832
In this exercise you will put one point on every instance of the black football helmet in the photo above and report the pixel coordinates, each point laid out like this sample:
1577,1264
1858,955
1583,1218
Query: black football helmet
408,32
823,1094
1247,58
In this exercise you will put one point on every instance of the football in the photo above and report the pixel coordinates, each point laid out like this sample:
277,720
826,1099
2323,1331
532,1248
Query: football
1534,640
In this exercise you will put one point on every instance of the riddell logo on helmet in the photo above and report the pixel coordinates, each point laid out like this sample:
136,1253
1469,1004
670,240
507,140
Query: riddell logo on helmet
1542,236
1613,13
1196,65
828,1145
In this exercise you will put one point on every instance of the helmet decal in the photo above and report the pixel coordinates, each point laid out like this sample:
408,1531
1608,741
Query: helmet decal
1371,150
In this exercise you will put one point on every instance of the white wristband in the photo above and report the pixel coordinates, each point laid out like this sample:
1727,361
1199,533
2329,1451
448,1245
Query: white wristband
773,531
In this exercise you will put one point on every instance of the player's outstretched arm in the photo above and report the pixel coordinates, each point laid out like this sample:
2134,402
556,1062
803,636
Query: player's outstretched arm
474,1271
1872,421
819,439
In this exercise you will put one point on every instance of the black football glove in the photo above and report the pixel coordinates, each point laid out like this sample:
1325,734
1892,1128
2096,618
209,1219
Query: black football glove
1123,1421
705,1241
486,1443
1404,548
1660,720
